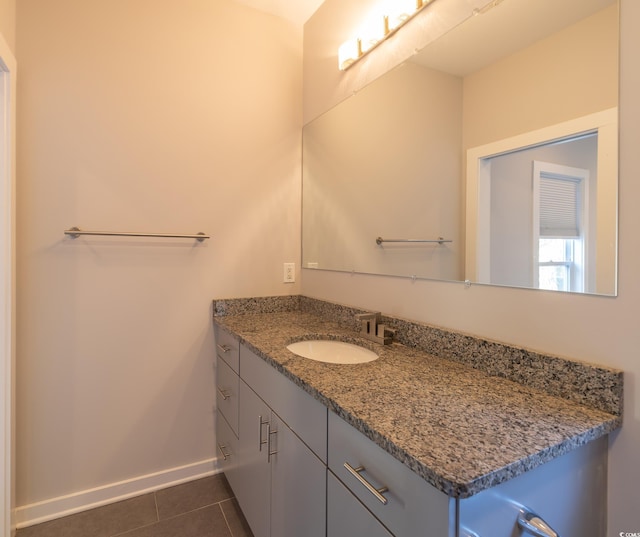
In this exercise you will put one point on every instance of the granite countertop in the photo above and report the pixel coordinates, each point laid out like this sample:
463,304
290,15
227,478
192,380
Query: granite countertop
460,429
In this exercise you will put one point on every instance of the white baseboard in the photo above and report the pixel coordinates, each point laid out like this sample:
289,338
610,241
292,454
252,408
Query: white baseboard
36,513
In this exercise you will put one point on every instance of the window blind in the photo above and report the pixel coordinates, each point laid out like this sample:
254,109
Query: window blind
559,207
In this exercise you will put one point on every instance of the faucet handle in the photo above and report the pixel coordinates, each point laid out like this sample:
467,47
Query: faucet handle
369,322
385,335
383,330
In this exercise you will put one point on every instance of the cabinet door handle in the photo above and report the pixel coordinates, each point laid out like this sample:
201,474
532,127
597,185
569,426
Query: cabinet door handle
531,523
224,348
270,433
378,493
222,448
261,442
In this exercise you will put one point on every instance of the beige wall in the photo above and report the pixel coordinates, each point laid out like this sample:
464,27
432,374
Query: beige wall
498,99
8,22
161,116
596,329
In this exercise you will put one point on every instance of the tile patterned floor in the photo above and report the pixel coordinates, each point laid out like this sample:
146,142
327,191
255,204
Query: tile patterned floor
201,508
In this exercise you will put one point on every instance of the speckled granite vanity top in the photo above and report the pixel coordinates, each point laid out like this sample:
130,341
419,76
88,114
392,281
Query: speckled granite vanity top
460,428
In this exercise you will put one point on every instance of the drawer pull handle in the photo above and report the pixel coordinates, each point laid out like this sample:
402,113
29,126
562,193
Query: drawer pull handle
378,493
222,448
270,433
261,442
224,393
224,348
533,524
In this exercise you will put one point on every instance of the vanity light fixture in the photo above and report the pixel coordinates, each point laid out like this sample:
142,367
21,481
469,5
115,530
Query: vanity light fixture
374,31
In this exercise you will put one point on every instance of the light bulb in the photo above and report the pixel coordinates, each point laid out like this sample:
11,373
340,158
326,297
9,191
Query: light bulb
400,11
371,33
348,53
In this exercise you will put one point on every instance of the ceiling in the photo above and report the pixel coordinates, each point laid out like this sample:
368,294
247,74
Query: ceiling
501,29
296,11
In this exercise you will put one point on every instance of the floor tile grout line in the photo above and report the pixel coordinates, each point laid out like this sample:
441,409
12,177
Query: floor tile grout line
157,520
177,516
226,521
192,510
131,530
155,499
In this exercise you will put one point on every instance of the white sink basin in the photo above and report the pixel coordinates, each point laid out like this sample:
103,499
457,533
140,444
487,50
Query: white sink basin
333,352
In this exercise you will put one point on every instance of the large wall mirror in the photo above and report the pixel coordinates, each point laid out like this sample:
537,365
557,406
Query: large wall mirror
490,156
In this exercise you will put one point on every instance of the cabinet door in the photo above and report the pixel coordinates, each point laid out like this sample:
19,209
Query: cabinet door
305,415
569,493
298,486
253,472
346,516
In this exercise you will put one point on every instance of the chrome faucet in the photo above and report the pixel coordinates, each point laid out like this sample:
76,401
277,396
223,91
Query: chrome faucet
371,328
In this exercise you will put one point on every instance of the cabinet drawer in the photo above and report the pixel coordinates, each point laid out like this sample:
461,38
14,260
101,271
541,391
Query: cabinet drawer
227,348
227,450
227,390
299,410
414,508
347,516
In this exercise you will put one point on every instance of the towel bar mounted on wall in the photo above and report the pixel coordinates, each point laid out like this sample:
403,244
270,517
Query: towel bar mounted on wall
440,240
75,232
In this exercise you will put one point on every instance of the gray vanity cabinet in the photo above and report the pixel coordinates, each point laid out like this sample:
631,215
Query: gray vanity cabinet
299,470
227,392
279,481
